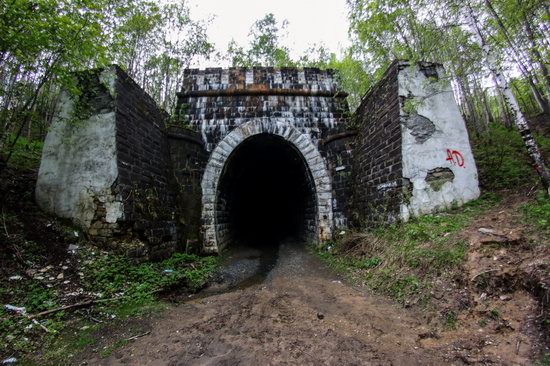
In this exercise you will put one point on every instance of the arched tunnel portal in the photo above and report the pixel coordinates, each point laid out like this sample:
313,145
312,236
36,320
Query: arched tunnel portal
265,182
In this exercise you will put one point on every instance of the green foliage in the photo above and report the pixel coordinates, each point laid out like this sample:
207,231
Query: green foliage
17,329
400,259
450,319
502,160
106,275
26,154
537,212
113,275
265,48
544,360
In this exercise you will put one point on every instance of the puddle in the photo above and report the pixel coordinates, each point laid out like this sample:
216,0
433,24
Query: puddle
243,266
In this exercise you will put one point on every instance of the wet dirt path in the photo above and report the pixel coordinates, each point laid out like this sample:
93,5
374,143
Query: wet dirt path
300,313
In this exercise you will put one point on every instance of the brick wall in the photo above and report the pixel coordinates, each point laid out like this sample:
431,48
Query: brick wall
188,157
214,101
337,149
377,165
144,168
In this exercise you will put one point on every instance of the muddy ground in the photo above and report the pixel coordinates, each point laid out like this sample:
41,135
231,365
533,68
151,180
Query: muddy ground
293,310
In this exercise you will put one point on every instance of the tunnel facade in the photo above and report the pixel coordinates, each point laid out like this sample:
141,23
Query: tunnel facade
253,153
307,171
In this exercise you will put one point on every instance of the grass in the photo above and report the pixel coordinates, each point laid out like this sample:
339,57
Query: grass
502,159
544,360
107,275
537,213
116,275
400,260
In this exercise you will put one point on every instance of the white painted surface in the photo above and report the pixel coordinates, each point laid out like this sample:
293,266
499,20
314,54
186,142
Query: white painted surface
79,163
435,101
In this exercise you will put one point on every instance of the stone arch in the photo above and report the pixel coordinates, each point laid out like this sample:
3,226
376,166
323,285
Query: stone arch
313,162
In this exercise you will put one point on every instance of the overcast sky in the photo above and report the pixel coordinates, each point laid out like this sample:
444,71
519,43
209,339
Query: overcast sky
310,21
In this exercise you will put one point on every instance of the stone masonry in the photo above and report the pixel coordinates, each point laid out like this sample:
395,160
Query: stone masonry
113,165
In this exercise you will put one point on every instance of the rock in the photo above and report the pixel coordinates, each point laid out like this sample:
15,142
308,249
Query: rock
320,316
499,237
60,276
15,278
72,248
45,269
505,297
428,335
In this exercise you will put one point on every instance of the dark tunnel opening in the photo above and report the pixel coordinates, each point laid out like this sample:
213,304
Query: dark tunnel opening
265,194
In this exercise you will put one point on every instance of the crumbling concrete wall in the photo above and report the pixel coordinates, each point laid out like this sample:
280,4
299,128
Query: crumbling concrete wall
412,155
106,165
437,158
79,166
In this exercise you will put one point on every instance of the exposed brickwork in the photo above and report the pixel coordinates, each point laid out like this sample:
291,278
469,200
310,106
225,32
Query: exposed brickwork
144,167
134,183
215,101
188,163
377,168
337,149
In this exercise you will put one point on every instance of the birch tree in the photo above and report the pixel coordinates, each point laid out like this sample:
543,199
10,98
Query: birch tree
518,117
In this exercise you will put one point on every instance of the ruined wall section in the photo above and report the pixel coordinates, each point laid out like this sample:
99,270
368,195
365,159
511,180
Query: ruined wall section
106,165
437,157
378,183
78,169
214,101
412,155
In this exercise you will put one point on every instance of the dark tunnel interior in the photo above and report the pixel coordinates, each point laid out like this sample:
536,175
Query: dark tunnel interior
266,193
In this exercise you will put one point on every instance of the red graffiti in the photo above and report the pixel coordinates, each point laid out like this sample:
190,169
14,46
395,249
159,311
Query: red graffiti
455,157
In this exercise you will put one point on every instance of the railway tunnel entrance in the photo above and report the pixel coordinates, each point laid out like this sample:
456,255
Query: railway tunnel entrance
265,182
266,193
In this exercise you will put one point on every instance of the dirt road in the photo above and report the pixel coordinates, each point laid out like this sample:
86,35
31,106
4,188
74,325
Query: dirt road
299,314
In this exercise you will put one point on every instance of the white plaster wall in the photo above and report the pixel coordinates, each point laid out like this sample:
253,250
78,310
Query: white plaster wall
79,163
435,101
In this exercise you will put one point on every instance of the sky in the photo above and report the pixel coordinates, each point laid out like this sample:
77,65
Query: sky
310,21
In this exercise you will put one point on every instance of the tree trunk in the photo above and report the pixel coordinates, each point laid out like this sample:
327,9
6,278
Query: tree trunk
519,119
483,100
536,54
503,111
543,103
469,106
